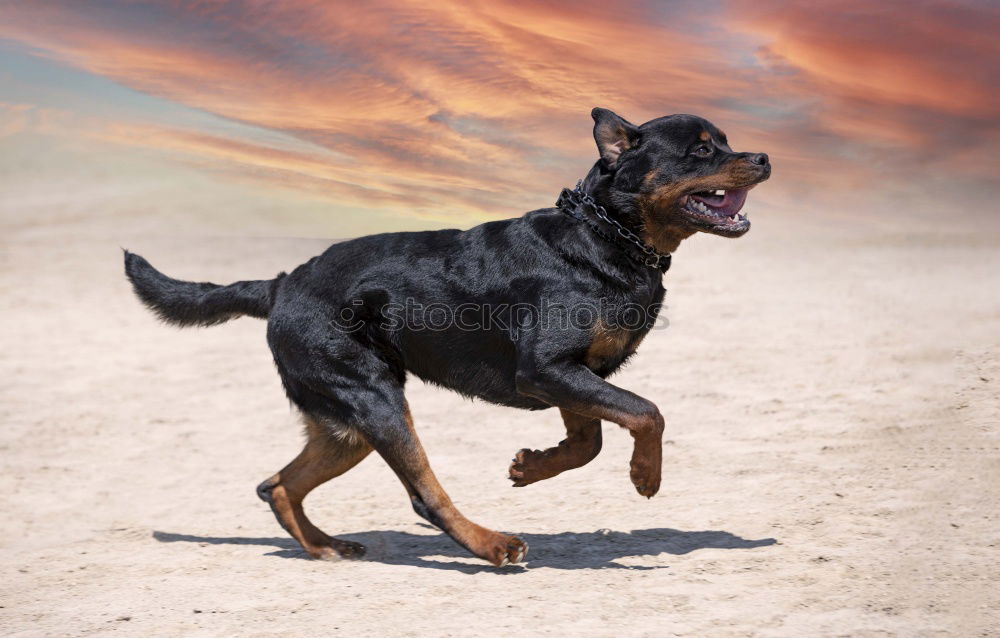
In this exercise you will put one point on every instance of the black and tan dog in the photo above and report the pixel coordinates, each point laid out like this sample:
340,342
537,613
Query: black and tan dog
344,335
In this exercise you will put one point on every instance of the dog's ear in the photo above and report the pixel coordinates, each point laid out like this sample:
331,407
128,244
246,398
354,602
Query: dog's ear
613,135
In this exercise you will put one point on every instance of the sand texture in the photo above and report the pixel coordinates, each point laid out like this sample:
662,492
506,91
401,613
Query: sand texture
831,460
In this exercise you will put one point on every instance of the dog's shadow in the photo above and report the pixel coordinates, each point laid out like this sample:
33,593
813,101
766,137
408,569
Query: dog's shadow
565,550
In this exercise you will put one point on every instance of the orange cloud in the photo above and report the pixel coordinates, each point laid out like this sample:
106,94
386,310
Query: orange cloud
917,78
933,55
389,74
483,107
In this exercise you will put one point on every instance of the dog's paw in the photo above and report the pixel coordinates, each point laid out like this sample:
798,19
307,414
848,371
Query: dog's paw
522,471
531,466
508,551
646,477
338,550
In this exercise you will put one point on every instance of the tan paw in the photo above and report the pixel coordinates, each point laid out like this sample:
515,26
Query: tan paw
645,476
524,469
512,550
337,550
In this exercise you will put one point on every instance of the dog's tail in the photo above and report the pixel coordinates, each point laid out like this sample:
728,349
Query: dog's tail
186,303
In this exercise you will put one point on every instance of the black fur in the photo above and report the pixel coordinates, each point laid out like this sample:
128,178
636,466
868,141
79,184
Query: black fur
542,257
343,347
185,303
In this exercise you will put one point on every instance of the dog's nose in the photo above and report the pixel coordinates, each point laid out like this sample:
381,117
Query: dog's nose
760,159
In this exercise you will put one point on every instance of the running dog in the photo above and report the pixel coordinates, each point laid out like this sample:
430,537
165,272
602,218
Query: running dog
343,350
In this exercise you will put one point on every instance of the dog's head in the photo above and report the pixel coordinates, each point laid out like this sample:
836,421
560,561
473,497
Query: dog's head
679,175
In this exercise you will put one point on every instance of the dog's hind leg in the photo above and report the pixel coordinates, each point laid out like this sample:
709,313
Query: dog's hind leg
394,438
343,380
328,453
581,445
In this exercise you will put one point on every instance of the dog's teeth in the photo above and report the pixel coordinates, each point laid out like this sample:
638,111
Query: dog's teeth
721,193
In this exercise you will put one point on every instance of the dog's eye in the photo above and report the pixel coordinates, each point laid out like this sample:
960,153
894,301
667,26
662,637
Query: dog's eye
702,151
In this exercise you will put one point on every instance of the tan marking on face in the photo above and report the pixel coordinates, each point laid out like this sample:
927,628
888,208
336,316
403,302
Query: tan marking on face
705,136
662,227
650,176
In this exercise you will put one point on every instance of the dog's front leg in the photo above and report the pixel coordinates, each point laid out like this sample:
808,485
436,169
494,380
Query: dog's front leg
574,387
581,445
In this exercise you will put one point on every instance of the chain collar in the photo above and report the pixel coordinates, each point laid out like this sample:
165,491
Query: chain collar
572,203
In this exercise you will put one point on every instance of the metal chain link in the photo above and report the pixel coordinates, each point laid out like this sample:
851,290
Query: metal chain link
653,258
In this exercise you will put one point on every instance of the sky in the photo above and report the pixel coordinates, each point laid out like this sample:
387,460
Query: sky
390,115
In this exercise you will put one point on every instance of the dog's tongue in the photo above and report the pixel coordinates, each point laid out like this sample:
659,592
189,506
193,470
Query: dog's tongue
729,204
734,200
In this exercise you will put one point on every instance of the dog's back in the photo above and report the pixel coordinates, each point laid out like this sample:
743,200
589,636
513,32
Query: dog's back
442,305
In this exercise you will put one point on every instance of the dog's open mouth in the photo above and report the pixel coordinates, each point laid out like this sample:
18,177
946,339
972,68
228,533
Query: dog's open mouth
718,210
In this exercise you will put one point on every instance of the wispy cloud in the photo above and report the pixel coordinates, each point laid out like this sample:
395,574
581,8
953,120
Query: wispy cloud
481,109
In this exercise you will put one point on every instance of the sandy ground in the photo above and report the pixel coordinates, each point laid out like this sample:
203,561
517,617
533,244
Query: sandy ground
832,458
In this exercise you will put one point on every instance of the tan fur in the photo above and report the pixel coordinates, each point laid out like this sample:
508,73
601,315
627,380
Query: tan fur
344,433
421,484
610,344
663,227
581,445
323,458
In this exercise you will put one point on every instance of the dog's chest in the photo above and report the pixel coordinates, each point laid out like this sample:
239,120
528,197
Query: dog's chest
610,347
622,326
